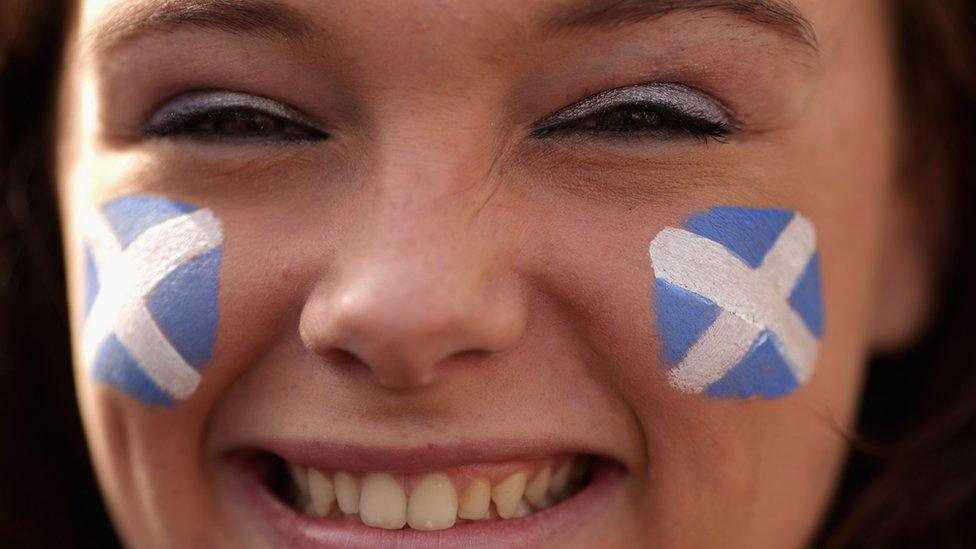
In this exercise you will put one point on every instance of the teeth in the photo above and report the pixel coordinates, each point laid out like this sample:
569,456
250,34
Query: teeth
475,500
383,503
299,477
433,504
507,494
347,493
321,492
536,492
522,509
560,480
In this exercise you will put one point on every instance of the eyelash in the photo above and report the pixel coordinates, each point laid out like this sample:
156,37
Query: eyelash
233,123
627,120
638,120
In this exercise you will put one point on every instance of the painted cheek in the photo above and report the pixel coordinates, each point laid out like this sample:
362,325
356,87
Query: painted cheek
151,269
739,302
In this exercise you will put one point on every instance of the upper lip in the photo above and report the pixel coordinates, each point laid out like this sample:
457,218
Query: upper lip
408,459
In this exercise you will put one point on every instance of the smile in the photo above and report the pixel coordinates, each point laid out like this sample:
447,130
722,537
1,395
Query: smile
439,499
317,500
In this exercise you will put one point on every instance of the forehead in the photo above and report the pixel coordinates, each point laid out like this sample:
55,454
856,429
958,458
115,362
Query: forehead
796,20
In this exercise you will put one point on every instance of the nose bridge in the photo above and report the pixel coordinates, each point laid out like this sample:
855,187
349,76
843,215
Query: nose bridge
425,220
421,281
427,261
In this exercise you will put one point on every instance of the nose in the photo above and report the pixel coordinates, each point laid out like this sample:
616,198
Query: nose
406,305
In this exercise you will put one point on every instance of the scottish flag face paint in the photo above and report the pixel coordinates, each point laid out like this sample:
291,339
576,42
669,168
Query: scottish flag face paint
151,296
738,301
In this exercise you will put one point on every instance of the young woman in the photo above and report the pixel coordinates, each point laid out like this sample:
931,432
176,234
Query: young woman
553,273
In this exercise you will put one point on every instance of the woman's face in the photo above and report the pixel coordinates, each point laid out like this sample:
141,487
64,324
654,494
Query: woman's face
409,264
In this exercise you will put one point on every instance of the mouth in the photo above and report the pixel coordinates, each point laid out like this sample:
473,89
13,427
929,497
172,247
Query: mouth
320,504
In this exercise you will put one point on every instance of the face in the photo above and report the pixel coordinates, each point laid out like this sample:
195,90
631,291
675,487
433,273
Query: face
559,272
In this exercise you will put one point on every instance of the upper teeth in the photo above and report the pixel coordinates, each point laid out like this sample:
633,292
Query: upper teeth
433,503
321,492
507,494
380,499
475,500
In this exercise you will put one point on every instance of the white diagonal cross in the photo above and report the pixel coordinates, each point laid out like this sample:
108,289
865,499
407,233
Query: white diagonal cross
751,300
126,278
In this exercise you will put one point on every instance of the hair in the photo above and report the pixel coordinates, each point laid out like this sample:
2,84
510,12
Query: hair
50,497
910,479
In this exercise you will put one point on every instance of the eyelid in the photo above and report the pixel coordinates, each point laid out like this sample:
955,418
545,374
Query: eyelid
204,101
677,97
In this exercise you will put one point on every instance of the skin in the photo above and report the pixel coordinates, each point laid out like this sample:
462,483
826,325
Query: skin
433,275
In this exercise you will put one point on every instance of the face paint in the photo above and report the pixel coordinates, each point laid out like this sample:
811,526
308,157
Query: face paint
151,296
738,301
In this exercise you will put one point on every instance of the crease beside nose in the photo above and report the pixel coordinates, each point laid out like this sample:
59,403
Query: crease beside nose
405,325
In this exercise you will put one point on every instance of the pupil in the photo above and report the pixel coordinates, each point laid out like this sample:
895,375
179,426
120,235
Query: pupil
629,118
246,123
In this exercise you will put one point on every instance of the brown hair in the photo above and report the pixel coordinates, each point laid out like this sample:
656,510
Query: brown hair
911,477
49,497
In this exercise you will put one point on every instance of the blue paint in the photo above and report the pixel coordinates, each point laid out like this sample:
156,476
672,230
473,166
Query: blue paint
130,216
748,233
115,366
806,298
762,372
683,316
184,305
91,281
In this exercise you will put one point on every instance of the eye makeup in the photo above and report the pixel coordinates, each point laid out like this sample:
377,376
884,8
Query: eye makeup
658,108
739,302
661,110
217,114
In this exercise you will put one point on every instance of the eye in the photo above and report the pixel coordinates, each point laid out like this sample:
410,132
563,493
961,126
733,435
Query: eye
222,115
653,111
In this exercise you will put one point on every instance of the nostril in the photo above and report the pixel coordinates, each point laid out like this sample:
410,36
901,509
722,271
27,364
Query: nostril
342,359
403,332
393,364
391,374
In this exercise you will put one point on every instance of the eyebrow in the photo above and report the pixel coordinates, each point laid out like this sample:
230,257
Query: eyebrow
133,19
781,16
269,18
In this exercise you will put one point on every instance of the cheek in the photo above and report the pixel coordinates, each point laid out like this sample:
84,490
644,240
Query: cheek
738,302
150,307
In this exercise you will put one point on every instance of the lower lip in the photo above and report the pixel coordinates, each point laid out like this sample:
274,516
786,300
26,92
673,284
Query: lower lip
287,527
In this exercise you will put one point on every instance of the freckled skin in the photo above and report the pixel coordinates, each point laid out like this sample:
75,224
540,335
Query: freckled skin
488,285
